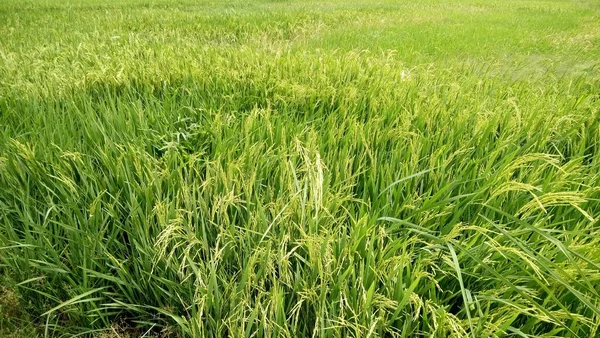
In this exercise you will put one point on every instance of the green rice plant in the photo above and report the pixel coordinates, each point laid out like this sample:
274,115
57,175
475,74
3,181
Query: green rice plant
292,169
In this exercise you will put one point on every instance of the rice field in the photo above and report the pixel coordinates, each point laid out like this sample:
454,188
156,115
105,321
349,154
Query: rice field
335,168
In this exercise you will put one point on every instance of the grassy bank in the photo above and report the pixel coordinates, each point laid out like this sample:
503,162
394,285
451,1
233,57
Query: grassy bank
288,168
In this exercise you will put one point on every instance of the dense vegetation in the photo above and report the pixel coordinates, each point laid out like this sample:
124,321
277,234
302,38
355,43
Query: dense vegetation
333,168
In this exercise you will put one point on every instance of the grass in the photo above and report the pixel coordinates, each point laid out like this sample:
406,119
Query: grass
287,168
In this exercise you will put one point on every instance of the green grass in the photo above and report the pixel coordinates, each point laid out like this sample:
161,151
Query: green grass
287,168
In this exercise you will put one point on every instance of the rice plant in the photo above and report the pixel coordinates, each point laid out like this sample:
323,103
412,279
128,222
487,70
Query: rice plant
299,169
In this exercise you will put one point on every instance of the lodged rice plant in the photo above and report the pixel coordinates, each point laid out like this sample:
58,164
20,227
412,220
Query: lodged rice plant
299,169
